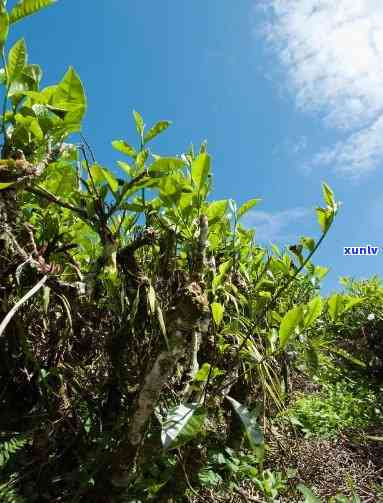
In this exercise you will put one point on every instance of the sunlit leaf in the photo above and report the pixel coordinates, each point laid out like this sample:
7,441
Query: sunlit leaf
5,185
152,299
247,206
325,217
25,8
17,59
200,170
351,302
217,310
289,324
346,356
314,310
4,25
308,494
69,95
139,123
156,130
125,167
335,306
216,211
124,147
328,195
182,424
203,373
166,165
320,272
308,243
101,174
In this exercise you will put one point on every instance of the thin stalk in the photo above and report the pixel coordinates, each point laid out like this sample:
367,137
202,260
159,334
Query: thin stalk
3,129
89,148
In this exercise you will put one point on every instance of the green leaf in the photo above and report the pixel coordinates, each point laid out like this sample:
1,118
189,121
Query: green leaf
335,306
141,158
25,8
182,424
328,196
200,170
314,310
17,59
203,373
217,310
320,272
347,356
216,211
249,420
247,207
36,130
166,165
351,302
289,323
69,96
23,83
124,147
125,167
308,494
325,217
34,72
5,185
222,272
309,243
156,130
139,123
101,174
311,355
4,25
61,179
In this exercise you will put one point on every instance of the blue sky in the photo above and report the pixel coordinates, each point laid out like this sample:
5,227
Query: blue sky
288,94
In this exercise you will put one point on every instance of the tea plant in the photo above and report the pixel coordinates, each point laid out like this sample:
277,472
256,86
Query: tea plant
138,315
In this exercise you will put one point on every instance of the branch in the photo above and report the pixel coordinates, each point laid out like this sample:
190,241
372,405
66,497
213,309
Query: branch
191,312
127,187
39,191
199,259
12,312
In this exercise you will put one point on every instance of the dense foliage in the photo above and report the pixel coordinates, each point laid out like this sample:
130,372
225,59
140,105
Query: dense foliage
143,328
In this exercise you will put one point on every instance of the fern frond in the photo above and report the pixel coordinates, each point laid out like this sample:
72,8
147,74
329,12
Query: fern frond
10,447
9,495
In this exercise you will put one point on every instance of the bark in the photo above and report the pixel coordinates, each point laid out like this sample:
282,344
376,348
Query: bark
193,364
189,314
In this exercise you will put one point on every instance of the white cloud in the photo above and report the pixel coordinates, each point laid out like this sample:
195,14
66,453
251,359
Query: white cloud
333,53
276,226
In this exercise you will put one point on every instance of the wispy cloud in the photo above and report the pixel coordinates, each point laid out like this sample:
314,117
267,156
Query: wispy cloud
277,226
333,53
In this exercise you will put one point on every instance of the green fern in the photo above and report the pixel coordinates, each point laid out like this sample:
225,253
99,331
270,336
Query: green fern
27,7
10,447
8,495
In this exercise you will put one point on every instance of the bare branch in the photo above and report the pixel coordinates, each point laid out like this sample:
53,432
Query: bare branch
12,312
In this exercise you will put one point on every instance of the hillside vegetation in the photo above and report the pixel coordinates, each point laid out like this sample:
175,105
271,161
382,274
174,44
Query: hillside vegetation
150,348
